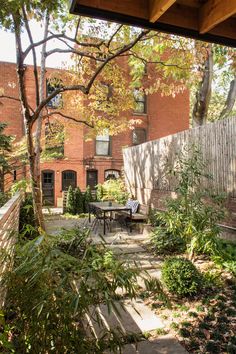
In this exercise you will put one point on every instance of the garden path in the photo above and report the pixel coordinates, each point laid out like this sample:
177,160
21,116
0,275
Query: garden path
136,316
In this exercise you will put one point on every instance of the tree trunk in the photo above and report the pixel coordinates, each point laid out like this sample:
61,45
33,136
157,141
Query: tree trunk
203,93
38,134
36,192
230,101
27,121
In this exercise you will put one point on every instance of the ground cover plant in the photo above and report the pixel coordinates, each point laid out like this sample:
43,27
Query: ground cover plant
206,322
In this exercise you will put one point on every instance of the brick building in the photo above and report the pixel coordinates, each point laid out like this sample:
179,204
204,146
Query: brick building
81,163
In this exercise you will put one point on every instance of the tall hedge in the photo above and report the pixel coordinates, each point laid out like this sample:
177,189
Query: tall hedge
87,198
70,201
79,201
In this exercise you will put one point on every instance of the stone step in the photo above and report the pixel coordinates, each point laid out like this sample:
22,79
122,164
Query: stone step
128,317
126,248
142,260
163,345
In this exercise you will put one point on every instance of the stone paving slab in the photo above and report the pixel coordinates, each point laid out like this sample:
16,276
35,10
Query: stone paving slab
162,345
142,260
118,237
153,273
53,227
126,248
133,317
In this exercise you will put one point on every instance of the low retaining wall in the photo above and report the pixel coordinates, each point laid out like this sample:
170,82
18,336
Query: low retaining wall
9,226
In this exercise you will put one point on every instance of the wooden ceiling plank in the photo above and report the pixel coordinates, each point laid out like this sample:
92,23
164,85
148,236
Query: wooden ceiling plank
158,8
214,12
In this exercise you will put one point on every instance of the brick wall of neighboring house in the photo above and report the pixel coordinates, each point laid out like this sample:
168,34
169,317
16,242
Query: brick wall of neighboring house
164,116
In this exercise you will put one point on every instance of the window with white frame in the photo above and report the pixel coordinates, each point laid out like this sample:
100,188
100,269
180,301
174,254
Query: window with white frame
111,174
103,145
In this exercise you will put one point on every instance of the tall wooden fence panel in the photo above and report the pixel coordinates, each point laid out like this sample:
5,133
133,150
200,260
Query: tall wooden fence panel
147,166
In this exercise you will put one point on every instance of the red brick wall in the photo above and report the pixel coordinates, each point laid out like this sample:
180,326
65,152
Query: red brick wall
165,115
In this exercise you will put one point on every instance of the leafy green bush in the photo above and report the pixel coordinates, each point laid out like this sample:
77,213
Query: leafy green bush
87,198
70,201
27,219
79,201
181,277
99,192
113,189
4,197
167,243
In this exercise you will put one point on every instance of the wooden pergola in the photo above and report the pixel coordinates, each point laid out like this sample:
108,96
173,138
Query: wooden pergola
207,20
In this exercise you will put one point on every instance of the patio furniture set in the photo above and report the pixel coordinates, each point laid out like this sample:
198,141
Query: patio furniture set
107,212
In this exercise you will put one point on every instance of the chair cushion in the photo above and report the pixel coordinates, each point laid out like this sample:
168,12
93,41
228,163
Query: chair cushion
133,204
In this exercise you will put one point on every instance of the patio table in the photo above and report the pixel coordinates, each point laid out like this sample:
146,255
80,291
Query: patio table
108,207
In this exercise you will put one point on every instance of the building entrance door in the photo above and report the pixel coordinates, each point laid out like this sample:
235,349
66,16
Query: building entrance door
48,188
68,179
92,178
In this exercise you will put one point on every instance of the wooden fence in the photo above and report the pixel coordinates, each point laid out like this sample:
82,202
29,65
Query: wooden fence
146,166
9,227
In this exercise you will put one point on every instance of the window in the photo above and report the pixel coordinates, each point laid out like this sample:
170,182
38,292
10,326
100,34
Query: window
52,85
14,175
138,136
112,174
68,179
54,140
140,101
103,147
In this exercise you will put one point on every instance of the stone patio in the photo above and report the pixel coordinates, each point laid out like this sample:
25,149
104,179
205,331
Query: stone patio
136,316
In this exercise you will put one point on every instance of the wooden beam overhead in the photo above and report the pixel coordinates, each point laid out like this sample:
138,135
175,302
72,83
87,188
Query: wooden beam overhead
214,12
158,7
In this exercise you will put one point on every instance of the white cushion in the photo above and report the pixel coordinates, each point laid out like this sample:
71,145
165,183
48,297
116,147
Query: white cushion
133,204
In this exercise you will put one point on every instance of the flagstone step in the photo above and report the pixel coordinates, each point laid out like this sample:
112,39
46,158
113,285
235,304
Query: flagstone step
126,248
129,317
142,260
163,345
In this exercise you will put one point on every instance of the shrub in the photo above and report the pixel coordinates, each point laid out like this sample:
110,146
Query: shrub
27,219
3,198
70,201
87,198
99,192
167,243
181,277
78,201
113,189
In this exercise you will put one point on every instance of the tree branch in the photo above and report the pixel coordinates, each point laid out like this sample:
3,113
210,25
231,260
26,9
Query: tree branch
115,55
15,99
34,54
83,88
114,34
67,117
74,51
